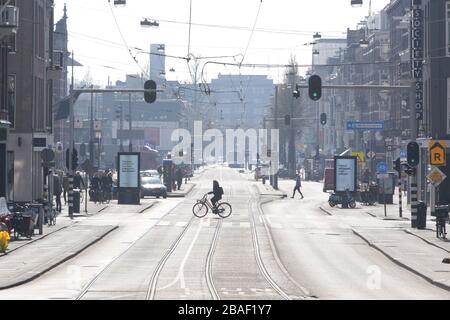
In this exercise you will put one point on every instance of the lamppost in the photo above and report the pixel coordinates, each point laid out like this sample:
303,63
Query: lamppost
98,137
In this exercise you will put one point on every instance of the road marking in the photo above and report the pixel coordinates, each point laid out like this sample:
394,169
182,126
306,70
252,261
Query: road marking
163,223
180,275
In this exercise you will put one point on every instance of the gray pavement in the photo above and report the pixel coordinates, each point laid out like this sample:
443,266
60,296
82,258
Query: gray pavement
39,257
271,247
329,254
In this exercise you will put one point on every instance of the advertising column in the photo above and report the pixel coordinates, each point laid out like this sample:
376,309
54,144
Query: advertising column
129,182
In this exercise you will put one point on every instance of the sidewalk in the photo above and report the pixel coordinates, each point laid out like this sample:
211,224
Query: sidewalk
184,190
42,255
62,222
418,251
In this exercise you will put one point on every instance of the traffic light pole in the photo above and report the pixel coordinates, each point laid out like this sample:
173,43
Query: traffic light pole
71,169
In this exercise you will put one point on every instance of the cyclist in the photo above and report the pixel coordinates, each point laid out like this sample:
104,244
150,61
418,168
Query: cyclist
218,192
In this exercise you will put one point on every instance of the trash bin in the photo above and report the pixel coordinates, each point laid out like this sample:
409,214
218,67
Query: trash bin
76,202
421,215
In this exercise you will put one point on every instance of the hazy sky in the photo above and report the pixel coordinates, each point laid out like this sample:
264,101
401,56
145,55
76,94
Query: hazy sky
96,41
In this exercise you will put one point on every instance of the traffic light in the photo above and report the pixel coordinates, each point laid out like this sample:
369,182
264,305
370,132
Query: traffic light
296,93
398,166
150,97
413,152
315,87
323,119
287,120
74,159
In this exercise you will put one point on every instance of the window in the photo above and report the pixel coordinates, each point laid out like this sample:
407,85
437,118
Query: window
448,28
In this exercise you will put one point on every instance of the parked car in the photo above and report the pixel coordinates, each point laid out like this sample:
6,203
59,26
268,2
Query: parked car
149,173
152,186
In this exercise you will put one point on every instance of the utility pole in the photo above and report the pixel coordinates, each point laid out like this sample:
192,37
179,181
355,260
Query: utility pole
91,133
71,141
291,153
275,177
130,121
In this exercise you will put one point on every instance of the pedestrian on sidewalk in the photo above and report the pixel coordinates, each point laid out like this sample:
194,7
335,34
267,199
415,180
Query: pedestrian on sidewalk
57,190
179,177
65,187
298,185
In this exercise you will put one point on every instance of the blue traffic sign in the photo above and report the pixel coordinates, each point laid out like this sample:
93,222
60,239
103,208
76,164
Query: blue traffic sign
402,154
365,125
382,167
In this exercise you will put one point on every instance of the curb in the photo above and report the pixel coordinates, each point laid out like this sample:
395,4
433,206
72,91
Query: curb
33,241
425,240
58,263
326,211
397,262
181,195
148,207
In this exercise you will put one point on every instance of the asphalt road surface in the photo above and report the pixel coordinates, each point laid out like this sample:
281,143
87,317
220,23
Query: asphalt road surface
290,250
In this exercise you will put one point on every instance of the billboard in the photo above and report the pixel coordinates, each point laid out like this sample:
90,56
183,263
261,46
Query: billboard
129,167
345,169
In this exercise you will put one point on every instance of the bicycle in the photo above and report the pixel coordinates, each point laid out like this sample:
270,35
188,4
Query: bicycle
51,216
441,221
202,207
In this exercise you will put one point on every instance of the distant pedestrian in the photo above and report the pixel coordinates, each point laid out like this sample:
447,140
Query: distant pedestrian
179,176
298,185
65,187
57,189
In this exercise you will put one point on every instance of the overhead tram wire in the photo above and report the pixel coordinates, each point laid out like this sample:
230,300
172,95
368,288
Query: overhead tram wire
123,38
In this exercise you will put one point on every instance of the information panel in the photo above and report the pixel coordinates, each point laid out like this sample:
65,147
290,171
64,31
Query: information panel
345,169
128,170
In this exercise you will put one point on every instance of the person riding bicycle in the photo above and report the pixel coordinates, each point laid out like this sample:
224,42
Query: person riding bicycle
218,192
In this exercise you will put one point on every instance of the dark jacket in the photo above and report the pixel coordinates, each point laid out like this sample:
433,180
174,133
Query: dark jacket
57,188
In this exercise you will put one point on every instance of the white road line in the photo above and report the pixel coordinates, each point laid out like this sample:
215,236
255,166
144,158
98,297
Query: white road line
163,223
180,275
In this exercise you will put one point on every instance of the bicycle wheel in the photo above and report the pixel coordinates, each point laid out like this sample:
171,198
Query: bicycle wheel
224,209
200,209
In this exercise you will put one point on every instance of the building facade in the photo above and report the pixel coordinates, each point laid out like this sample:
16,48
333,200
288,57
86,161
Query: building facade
32,126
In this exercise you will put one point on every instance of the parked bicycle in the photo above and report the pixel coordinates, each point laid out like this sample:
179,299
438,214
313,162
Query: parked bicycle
441,220
202,207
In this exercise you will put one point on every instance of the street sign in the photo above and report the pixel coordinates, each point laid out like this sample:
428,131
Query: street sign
437,153
371,154
436,176
365,125
403,154
382,167
361,156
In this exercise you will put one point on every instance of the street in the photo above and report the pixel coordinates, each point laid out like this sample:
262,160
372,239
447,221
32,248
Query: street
290,249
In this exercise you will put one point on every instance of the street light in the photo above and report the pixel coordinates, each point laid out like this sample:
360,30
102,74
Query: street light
317,35
120,3
149,23
356,3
